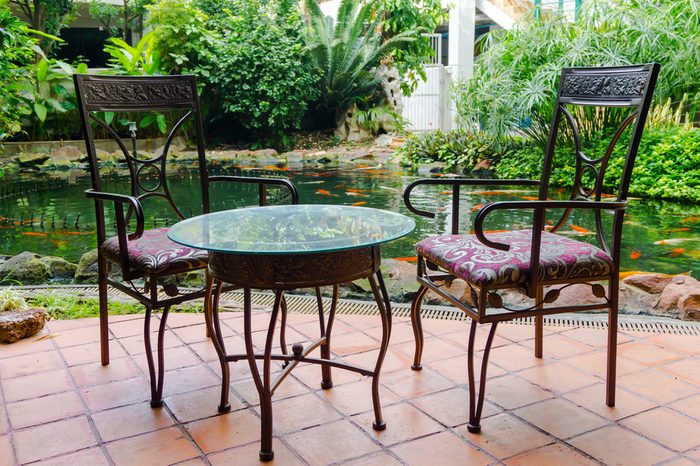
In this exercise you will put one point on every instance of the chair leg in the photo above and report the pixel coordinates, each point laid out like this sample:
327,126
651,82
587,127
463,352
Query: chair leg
384,305
417,326
476,404
539,323
155,378
104,309
612,342
283,328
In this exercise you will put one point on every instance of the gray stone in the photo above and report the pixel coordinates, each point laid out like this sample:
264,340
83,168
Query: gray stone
383,141
58,162
18,324
87,269
27,268
26,159
427,168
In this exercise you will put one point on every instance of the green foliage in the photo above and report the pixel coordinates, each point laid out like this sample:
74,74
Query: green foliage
141,59
61,306
667,164
15,55
457,148
48,98
122,17
346,53
397,16
182,38
263,80
47,17
514,82
11,300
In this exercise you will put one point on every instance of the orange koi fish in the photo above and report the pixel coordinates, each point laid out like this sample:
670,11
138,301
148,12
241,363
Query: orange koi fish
358,203
579,229
406,259
353,190
349,193
693,219
674,240
634,255
76,233
674,230
323,192
477,207
490,193
443,193
33,233
674,252
530,198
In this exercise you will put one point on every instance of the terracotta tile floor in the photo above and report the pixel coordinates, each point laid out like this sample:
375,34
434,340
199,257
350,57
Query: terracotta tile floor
60,406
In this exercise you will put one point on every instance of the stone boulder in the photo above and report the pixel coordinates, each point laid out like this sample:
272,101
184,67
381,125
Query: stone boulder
653,283
29,268
28,159
86,271
679,289
69,153
18,324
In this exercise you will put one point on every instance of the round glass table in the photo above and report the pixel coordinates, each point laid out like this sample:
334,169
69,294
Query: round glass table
282,248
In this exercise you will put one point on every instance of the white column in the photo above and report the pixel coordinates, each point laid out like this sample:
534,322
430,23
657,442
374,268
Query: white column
460,54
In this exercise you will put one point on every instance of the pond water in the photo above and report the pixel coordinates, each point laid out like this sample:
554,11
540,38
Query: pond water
49,214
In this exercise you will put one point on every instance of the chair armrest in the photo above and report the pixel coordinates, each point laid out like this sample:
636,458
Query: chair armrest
261,182
456,183
536,205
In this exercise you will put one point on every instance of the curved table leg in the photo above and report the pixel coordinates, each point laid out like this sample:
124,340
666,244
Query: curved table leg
384,305
211,316
262,384
283,328
326,329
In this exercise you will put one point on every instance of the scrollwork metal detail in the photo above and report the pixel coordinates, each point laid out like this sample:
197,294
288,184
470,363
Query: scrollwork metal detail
605,85
141,92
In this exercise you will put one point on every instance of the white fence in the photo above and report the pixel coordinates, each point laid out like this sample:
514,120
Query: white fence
428,107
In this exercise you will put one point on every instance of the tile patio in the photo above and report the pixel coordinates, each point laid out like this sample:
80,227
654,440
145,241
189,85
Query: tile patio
60,406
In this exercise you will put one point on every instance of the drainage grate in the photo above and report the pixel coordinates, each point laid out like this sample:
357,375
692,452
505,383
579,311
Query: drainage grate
302,304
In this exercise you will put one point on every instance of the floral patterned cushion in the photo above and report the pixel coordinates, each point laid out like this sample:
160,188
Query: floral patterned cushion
560,257
155,253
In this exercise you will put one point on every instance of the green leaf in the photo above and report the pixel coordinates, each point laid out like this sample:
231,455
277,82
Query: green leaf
109,117
162,125
40,111
147,120
42,69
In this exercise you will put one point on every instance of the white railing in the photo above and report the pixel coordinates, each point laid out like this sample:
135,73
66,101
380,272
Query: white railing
436,45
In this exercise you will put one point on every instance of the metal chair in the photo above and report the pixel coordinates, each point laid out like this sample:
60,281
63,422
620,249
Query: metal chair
147,255
531,259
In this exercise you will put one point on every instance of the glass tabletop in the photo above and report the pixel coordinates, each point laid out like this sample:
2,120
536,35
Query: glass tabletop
291,229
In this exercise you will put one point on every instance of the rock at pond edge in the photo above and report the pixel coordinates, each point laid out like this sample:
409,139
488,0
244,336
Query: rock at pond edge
15,325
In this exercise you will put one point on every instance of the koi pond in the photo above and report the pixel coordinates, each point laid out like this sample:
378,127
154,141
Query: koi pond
48,213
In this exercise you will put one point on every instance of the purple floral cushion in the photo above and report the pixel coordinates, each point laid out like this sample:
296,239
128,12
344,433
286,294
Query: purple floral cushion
155,253
560,257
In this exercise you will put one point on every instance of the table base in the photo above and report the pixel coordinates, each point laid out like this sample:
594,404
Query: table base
361,263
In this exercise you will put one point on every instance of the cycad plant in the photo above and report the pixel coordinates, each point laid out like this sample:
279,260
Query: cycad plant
347,52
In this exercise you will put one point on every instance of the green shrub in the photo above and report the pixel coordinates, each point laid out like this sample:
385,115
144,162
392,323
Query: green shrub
261,75
458,149
667,164
183,40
